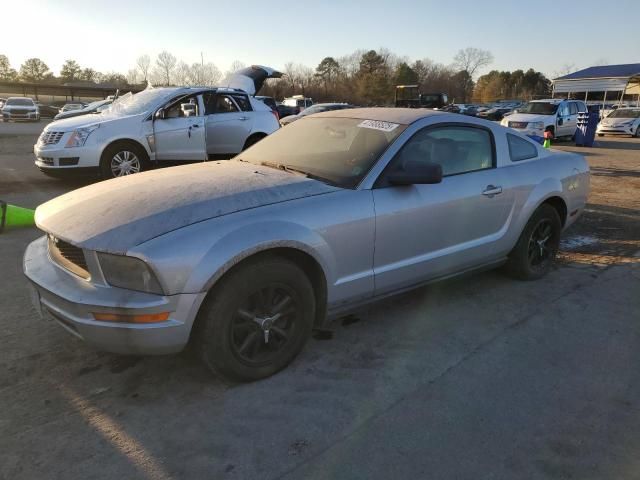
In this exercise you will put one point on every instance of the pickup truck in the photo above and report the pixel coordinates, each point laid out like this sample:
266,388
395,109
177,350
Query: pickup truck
161,124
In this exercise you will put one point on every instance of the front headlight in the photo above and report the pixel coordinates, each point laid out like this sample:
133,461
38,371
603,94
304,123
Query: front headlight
128,272
79,137
504,122
536,125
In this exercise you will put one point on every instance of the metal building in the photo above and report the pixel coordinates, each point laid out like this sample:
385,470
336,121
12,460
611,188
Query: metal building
615,81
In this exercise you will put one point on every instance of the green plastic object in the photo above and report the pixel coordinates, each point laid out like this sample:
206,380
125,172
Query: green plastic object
12,216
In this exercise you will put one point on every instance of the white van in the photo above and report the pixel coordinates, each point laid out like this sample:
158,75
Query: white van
558,116
161,124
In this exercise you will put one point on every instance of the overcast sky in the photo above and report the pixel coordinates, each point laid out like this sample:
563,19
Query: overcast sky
110,35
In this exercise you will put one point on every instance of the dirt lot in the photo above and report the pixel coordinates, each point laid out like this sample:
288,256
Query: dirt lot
478,378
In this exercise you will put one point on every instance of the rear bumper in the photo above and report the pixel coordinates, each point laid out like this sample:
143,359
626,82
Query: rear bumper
70,301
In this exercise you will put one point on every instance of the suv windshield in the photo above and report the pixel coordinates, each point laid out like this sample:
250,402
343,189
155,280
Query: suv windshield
626,113
541,108
142,102
22,102
337,151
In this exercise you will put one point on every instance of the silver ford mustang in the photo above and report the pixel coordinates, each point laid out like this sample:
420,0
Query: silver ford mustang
245,257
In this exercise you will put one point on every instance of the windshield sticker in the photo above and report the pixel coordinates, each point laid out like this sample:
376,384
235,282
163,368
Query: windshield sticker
379,125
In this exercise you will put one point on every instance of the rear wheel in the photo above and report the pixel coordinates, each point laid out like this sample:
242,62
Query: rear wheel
123,159
537,246
256,320
252,140
638,132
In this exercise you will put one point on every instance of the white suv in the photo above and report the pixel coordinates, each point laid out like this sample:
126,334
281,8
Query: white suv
160,124
555,115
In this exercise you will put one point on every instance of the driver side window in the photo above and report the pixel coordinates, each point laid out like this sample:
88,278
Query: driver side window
176,111
457,149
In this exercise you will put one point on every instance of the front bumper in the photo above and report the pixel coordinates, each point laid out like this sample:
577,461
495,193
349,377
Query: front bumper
70,300
32,116
57,157
614,129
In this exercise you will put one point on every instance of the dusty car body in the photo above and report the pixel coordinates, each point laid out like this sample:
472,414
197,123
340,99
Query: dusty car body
202,229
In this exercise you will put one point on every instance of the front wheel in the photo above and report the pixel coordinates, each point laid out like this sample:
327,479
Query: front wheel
256,320
123,159
638,132
537,246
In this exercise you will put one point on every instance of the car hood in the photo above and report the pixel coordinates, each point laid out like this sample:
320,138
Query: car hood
529,117
19,107
116,215
79,121
617,121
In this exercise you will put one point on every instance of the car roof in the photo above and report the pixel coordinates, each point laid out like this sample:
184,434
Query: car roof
404,116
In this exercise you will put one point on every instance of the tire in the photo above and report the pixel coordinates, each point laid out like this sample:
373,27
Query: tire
529,259
637,135
121,159
252,140
228,337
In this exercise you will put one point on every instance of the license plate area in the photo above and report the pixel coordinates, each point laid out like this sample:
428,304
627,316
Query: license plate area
520,125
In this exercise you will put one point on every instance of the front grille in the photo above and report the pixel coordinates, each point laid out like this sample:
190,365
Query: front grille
51,138
68,256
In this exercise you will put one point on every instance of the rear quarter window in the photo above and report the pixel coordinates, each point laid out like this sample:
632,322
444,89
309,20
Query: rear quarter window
520,149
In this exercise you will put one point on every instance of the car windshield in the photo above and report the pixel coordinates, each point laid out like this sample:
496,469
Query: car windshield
337,151
626,113
142,102
541,108
23,102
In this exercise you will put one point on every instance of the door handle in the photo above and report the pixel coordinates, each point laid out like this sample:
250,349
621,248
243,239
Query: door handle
243,118
195,126
491,190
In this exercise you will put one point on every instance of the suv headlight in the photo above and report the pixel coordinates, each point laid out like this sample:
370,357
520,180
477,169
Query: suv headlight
128,272
536,125
79,137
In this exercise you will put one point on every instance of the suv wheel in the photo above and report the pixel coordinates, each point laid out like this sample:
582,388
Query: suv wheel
123,159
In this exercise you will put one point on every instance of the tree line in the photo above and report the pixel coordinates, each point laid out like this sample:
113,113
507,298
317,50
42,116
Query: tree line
363,77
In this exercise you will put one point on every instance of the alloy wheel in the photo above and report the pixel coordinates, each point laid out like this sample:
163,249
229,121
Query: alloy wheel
540,248
125,163
264,324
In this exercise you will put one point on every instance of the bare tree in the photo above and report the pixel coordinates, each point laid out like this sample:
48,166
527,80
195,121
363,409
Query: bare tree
565,69
205,75
142,64
165,66
182,74
132,76
472,59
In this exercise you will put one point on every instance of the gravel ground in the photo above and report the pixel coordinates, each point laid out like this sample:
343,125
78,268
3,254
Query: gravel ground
477,378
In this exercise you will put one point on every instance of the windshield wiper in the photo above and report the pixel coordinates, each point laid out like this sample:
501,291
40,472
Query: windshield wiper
294,170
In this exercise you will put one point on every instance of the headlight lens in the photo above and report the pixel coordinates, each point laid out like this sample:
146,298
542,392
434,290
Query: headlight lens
128,272
79,137
536,125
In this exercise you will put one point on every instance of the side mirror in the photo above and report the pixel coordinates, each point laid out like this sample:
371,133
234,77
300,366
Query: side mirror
160,114
560,121
417,173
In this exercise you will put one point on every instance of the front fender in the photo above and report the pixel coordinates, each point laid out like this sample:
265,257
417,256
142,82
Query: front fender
248,240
